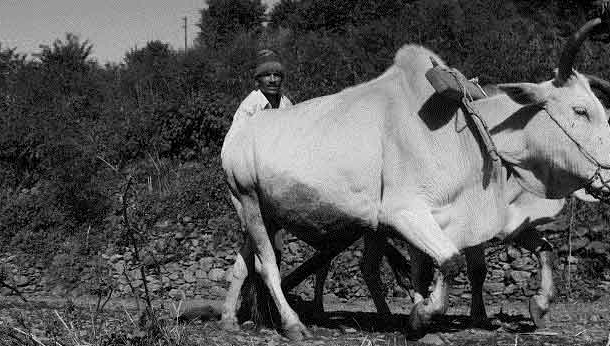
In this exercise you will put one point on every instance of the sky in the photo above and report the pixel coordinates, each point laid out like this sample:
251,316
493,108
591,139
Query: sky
112,26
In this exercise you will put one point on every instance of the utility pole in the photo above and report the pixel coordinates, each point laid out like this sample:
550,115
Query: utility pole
185,38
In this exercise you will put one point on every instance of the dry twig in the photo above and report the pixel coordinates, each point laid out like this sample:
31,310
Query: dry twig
572,206
14,289
582,331
29,335
128,315
366,342
71,332
115,169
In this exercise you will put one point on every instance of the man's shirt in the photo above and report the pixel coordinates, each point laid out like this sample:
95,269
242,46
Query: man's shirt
254,102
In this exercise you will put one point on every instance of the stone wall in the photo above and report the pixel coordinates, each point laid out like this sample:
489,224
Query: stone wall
185,259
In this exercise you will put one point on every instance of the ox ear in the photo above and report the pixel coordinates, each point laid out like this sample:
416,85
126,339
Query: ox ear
524,93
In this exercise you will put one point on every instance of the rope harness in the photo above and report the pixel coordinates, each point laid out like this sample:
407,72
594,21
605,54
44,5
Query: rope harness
603,193
467,100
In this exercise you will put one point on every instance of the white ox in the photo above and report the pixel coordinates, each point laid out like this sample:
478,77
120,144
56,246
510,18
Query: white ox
390,154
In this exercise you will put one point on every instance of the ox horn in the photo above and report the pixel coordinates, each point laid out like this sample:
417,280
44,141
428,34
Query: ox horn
571,48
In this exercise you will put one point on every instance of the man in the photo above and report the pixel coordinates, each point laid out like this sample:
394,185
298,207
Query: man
269,76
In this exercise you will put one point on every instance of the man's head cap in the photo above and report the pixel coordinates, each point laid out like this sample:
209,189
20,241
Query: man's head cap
267,61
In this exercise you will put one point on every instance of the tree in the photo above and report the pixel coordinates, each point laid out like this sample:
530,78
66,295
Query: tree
288,14
9,60
71,54
223,19
10,64
65,67
152,73
155,55
316,15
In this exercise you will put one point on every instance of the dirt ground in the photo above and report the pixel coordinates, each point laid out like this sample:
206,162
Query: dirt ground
574,323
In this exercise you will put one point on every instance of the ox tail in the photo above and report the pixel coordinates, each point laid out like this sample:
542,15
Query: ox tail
400,266
257,304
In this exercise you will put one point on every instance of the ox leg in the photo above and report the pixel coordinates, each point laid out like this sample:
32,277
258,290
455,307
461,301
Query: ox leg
539,304
319,263
278,244
400,267
312,265
477,271
421,230
318,299
436,304
374,245
422,273
240,272
245,263
264,250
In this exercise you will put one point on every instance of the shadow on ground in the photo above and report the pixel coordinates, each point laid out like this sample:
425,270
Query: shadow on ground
376,323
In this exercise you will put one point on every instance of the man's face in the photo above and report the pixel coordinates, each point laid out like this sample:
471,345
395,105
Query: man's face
270,83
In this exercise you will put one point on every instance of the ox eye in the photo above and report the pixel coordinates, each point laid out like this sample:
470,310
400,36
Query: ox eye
581,111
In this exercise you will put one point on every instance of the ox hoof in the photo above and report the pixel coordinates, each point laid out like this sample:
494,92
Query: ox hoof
297,332
418,319
537,312
229,325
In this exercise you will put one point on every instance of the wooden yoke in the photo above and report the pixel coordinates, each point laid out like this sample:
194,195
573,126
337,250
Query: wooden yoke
452,84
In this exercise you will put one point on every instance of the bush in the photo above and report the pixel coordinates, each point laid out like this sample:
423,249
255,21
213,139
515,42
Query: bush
33,222
195,190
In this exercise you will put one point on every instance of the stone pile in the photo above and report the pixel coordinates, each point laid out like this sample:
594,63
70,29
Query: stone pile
26,280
